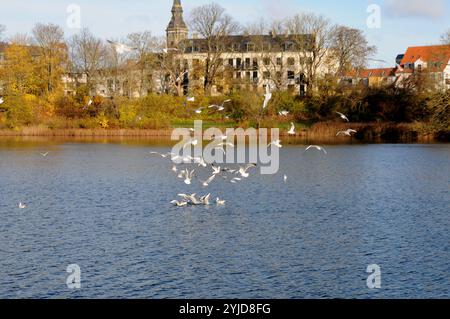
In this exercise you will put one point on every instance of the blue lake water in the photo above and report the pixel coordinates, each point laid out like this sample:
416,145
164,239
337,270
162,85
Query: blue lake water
106,207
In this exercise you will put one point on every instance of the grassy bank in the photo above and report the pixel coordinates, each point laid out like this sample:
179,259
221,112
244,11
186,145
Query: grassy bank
324,131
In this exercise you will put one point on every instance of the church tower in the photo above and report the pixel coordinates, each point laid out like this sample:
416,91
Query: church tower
177,30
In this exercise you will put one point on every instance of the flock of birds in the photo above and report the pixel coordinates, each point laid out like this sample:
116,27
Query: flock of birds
232,175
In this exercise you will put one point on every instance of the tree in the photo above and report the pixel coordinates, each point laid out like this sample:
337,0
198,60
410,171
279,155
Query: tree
214,26
53,54
446,37
145,45
88,55
312,37
350,48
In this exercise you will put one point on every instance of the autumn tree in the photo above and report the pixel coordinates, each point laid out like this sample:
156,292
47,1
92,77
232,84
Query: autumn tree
312,37
214,26
87,55
350,49
52,57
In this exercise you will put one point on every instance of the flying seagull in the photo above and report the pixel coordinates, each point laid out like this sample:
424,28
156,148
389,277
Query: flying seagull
22,206
209,180
276,143
162,155
343,116
120,47
267,97
205,199
283,113
188,177
347,133
200,110
1,100
319,148
292,130
243,170
44,154
221,107
285,178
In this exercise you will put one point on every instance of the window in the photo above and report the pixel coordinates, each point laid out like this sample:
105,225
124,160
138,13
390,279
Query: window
266,61
248,75
291,75
250,47
238,75
279,75
255,63
266,75
291,61
279,61
255,75
238,62
230,62
247,62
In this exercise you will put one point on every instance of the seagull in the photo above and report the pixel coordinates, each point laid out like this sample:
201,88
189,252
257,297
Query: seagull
44,154
22,206
292,130
348,132
191,142
220,202
90,103
120,47
200,161
243,170
276,143
167,50
190,99
190,198
174,169
221,107
179,204
343,116
216,170
209,180
235,180
162,155
283,113
319,148
1,100
205,199
267,97
200,110
189,175
285,178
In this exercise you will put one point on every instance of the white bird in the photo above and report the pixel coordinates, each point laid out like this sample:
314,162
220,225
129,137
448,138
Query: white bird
190,99
343,116
205,200
188,177
221,107
235,180
348,132
283,113
200,161
120,47
267,97
285,178
192,142
276,143
243,170
319,148
22,206
292,130
178,203
216,170
167,50
174,169
1,100
209,180
220,202
162,155
90,103
200,110
44,154
192,199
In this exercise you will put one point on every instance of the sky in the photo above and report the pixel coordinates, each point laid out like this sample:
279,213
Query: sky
403,23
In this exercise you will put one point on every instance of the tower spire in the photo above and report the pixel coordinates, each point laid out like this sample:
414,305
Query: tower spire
176,30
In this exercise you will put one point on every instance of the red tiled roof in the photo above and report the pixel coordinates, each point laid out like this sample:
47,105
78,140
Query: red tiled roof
367,73
434,53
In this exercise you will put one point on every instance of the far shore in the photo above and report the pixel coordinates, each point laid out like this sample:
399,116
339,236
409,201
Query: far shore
367,132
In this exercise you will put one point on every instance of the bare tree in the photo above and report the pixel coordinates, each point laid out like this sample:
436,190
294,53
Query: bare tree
446,37
214,26
88,55
145,45
312,37
53,53
350,48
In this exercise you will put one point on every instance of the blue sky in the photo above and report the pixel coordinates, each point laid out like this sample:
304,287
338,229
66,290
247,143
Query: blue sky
403,22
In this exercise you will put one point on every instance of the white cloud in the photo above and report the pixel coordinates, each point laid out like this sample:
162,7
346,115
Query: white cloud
416,8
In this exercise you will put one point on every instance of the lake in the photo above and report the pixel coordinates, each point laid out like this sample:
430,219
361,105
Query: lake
105,206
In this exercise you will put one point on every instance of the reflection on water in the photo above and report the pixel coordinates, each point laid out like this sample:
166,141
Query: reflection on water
103,204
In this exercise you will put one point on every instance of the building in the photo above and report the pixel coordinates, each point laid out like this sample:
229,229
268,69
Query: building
244,61
432,61
372,77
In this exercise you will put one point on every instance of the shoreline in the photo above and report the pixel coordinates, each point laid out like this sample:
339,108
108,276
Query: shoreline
367,132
